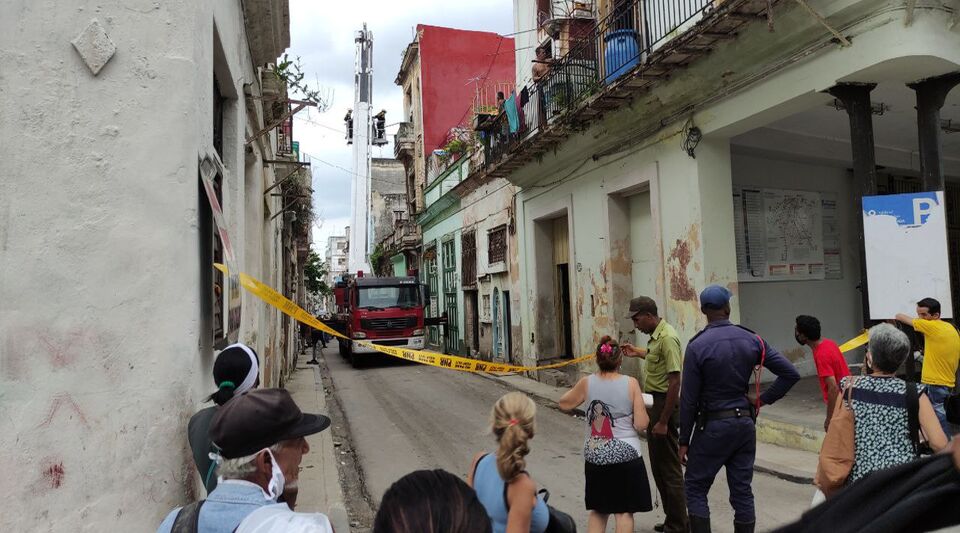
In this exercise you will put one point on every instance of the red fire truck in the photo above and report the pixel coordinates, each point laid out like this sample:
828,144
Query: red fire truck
387,311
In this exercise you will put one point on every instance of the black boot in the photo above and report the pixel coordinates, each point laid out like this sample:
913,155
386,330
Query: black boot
699,524
743,527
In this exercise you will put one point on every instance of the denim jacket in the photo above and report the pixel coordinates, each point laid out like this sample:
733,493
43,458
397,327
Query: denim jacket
226,507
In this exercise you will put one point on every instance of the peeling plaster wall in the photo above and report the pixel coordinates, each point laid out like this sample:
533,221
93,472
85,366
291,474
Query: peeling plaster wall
770,307
676,206
485,209
387,195
100,364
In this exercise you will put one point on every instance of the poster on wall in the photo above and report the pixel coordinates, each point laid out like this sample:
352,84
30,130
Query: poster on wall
832,267
209,168
780,235
905,237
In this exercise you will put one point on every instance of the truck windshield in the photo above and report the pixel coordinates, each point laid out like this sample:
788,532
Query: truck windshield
384,297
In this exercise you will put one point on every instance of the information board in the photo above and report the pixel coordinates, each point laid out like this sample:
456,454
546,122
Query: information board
905,237
786,235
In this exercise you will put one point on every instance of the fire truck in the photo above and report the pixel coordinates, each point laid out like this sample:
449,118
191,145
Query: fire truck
389,311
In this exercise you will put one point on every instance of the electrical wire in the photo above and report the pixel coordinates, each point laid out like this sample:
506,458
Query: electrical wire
342,169
315,123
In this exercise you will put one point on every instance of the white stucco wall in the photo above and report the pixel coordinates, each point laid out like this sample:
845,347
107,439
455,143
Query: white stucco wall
679,187
101,362
770,307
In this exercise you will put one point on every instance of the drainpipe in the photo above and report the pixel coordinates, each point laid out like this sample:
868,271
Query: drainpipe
856,100
931,94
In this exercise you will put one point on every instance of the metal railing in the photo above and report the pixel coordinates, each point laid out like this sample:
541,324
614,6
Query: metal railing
613,47
285,137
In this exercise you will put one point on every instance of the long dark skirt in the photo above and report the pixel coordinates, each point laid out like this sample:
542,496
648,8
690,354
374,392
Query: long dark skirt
618,488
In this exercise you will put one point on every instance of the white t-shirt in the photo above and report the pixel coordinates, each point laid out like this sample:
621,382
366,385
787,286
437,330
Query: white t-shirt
278,518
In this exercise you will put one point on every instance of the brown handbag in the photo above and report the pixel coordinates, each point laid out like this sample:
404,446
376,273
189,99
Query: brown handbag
837,452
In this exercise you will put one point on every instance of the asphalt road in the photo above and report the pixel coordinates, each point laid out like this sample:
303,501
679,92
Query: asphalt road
403,417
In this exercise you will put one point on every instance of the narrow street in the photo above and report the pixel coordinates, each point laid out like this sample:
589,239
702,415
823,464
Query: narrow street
403,418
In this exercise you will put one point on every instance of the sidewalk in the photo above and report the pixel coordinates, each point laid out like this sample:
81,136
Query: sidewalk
320,490
796,421
789,463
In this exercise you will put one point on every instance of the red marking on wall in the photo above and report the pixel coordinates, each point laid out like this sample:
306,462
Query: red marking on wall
53,474
60,401
58,351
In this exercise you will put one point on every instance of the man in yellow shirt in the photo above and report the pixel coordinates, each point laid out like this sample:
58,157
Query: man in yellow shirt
941,354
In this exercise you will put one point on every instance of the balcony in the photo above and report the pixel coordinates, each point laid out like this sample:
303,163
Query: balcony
631,50
404,142
449,178
405,237
285,141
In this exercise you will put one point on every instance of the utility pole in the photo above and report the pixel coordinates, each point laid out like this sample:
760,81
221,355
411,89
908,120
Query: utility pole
359,258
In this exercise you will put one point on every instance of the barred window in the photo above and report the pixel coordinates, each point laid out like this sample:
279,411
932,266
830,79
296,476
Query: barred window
497,245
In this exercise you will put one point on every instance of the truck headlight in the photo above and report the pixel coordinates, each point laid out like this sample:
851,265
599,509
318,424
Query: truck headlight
359,335
418,331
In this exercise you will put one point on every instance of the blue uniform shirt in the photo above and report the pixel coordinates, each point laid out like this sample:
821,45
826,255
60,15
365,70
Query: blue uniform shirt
716,372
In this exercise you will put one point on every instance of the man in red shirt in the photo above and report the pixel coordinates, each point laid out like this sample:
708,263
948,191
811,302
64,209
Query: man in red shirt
831,366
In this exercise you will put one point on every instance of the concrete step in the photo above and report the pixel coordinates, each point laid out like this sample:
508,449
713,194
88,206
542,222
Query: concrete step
788,434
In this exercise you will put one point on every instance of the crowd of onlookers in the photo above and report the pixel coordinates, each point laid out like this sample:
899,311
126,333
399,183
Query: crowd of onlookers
249,445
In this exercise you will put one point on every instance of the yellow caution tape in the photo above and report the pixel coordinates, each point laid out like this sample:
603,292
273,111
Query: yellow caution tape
855,342
453,362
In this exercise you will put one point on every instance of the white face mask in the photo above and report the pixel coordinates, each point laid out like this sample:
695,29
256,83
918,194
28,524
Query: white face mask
277,480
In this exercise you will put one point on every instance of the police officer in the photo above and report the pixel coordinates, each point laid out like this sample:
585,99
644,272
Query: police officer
716,374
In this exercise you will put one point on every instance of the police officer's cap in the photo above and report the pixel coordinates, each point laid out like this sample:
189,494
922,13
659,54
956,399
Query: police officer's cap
715,297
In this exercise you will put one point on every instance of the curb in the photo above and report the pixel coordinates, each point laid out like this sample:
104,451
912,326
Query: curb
319,468
760,465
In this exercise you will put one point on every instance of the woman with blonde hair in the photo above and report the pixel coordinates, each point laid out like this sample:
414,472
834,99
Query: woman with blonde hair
616,478
504,487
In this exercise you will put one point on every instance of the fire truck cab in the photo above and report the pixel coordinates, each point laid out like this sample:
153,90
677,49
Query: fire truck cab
387,311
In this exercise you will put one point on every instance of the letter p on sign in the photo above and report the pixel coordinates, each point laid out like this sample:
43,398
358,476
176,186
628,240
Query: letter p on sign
922,208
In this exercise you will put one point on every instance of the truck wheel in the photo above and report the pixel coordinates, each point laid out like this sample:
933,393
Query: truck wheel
344,349
357,361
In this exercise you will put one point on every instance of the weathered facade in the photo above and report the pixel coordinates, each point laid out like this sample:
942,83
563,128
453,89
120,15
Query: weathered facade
630,164
112,311
336,258
464,222
388,208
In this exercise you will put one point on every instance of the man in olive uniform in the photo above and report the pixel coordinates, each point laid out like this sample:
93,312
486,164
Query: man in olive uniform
662,370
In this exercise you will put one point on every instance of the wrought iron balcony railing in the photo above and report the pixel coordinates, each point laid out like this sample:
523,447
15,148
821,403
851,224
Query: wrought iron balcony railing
615,45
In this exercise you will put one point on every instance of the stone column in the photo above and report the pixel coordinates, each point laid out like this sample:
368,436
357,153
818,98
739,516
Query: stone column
856,100
931,94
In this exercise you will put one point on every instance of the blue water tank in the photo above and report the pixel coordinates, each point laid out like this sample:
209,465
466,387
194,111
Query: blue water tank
621,53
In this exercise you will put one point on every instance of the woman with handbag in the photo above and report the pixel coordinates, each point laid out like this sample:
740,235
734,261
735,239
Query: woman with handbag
502,483
616,478
873,429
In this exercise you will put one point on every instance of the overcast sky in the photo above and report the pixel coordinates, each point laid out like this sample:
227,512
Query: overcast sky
322,35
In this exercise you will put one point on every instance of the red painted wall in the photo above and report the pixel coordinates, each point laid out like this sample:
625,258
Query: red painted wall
449,60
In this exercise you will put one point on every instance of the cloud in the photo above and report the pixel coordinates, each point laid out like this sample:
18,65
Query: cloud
322,35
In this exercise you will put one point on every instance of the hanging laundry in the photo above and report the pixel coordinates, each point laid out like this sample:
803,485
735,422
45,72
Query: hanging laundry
513,118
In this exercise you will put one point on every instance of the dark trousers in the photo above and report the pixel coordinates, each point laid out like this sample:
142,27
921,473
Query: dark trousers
730,443
665,466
